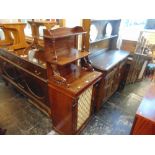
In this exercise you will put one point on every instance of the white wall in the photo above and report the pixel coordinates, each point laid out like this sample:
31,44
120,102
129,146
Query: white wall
73,22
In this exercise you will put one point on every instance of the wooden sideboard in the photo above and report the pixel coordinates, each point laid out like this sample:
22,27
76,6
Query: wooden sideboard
27,77
105,57
113,66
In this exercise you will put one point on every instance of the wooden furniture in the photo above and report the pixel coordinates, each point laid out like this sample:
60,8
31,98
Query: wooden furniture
8,40
142,56
137,67
105,57
129,45
146,44
36,39
25,68
28,77
72,80
60,82
113,66
18,40
102,40
144,123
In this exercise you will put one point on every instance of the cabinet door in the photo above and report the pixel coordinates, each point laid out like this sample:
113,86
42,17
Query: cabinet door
30,85
110,83
9,71
84,107
36,88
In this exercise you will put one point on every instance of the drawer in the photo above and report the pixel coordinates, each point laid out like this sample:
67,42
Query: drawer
23,64
38,71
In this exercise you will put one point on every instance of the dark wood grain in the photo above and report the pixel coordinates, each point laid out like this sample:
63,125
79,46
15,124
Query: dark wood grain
108,59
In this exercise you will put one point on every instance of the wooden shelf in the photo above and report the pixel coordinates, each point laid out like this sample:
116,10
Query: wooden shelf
72,56
105,38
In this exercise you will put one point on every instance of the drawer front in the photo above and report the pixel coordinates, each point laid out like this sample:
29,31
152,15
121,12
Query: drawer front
111,82
26,65
38,71
33,86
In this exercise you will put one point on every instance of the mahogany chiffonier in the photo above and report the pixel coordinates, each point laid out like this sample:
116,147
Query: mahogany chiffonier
58,79
71,79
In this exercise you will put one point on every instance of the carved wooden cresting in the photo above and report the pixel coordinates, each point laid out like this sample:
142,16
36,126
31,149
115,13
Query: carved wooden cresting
71,79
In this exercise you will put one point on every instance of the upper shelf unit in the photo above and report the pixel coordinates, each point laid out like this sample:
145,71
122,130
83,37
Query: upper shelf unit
101,33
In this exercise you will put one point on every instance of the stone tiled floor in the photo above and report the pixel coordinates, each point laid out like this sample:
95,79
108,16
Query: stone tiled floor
116,116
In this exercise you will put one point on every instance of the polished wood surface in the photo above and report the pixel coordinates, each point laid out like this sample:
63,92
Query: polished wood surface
70,56
108,59
144,123
147,106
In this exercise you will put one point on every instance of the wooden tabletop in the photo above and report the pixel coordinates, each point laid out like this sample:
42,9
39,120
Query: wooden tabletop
108,59
147,106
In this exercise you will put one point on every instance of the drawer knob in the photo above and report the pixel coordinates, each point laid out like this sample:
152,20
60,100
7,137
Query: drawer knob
37,73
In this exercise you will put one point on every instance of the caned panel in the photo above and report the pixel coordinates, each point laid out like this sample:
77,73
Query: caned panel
84,106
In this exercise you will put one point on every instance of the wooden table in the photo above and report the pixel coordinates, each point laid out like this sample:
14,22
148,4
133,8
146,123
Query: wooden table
144,123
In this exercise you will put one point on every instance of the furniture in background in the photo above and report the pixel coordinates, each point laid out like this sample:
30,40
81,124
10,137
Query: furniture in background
101,41
144,122
129,45
142,57
14,36
7,39
36,38
138,64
